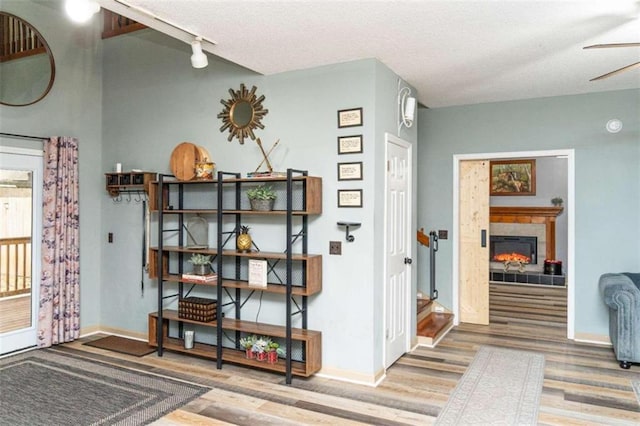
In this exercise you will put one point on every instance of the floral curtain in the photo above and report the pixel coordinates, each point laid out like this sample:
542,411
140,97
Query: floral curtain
59,313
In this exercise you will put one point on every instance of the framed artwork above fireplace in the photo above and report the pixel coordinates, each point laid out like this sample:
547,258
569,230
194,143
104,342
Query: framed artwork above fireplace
513,177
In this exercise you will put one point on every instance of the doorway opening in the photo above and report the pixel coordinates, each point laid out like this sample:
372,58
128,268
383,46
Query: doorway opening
566,156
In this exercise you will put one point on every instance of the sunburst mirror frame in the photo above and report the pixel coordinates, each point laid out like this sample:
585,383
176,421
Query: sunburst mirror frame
244,128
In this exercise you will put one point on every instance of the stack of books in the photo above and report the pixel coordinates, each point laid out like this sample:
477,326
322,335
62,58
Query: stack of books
200,279
254,175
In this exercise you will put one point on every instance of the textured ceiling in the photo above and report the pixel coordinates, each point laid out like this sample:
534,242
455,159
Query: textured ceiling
452,52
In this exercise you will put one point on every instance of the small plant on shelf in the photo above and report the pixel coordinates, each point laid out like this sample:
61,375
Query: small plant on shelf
557,201
261,192
273,352
262,197
201,263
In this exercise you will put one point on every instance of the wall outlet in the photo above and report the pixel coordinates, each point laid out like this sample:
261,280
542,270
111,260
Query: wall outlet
443,234
335,247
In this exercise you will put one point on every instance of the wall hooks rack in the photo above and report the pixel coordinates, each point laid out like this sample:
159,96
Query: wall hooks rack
347,225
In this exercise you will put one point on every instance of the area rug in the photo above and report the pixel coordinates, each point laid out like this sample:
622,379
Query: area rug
501,386
122,345
43,387
636,387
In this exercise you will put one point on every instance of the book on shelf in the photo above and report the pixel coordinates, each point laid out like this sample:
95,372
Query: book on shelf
200,278
266,174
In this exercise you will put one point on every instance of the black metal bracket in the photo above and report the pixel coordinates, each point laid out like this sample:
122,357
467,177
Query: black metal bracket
347,225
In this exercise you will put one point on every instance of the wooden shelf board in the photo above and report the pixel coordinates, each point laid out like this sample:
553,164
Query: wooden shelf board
270,288
268,329
252,254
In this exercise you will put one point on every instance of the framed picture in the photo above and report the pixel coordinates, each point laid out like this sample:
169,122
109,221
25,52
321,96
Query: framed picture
350,144
350,171
350,117
513,177
349,197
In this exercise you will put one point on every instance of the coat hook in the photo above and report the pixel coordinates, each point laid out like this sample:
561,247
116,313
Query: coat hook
348,237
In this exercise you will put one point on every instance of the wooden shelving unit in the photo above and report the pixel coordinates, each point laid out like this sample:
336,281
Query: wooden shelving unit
300,272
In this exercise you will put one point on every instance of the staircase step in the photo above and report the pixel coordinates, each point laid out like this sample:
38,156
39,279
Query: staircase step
433,324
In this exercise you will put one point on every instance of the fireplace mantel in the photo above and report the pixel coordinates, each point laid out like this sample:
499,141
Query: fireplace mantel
535,215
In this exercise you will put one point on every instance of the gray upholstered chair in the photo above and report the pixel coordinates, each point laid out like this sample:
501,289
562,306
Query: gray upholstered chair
621,293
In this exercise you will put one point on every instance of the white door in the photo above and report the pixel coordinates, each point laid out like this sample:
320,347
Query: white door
397,296
20,234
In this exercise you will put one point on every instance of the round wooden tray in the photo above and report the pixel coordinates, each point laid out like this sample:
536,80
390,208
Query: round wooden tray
184,158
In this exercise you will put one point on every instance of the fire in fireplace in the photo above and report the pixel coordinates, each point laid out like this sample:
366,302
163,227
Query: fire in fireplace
504,248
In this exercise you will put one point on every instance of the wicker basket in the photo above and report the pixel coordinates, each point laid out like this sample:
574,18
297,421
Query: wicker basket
197,309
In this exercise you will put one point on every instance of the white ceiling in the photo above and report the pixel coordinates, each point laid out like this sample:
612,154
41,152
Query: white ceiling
452,52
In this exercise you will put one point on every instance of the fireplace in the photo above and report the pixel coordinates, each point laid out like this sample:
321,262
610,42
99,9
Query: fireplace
504,248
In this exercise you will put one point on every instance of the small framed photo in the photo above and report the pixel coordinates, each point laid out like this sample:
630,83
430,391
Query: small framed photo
349,117
349,197
350,144
513,177
350,171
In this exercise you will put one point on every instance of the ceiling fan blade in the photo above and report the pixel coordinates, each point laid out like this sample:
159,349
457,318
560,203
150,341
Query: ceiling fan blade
618,71
608,45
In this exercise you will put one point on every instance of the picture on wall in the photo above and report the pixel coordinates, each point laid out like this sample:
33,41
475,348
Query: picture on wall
349,144
350,171
350,117
350,198
513,177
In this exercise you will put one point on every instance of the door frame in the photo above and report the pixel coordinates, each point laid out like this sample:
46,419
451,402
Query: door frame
569,154
36,241
392,139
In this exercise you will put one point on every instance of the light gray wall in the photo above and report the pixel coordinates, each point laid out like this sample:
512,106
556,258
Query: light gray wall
607,178
153,100
73,107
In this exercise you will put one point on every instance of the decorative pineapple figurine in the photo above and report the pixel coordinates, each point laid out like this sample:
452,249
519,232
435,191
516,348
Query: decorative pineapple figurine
243,242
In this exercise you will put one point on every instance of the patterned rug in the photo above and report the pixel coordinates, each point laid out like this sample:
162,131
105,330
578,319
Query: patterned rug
44,387
501,386
636,387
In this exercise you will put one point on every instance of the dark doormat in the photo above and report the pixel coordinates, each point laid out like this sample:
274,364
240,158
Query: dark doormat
122,345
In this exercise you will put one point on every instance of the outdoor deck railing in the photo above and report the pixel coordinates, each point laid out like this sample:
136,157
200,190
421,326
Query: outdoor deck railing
15,266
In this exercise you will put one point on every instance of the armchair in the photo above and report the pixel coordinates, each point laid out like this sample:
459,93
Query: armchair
621,293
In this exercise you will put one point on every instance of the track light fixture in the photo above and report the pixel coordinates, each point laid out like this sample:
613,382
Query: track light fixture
198,59
81,11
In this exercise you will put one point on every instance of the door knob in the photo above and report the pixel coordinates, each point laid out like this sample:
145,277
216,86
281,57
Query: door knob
407,261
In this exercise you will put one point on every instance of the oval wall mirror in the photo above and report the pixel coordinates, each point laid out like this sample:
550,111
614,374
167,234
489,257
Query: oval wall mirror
27,69
242,113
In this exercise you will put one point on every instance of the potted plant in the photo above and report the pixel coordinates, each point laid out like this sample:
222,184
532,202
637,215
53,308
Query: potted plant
201,263
261,197
247,343
273,352
557,201
260,347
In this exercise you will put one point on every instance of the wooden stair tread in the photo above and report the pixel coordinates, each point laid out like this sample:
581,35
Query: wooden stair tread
422,304
433,324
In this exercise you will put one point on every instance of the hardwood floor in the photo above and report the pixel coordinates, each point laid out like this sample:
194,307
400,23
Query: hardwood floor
583,384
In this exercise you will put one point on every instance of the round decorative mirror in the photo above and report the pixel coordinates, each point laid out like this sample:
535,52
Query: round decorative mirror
242,113
27,69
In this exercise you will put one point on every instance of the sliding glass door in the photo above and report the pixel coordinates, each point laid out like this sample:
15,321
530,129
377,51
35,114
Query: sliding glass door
20,235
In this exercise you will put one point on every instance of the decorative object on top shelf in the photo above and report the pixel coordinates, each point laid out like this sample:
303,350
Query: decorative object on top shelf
243,241
242,113
204,170
201,263
513,177
184,158
197,233
557,201
262,197
265,158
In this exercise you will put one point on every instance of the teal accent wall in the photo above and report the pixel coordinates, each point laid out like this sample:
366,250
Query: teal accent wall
154,100
607,178
73,107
